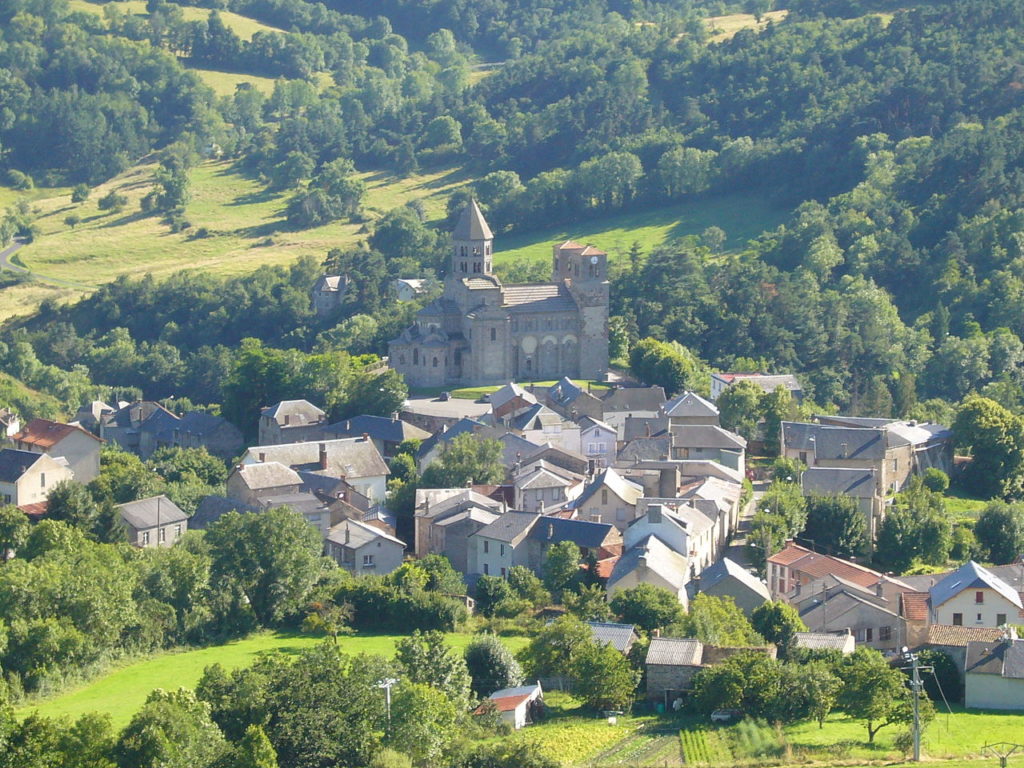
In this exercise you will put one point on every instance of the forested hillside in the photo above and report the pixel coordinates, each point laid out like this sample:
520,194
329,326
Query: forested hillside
892,133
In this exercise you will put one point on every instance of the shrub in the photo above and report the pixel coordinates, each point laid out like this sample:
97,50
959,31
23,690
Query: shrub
935,480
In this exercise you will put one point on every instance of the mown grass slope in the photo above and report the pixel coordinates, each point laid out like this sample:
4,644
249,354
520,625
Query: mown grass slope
123,690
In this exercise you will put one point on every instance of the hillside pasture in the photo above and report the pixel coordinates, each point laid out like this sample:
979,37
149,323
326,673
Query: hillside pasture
243,26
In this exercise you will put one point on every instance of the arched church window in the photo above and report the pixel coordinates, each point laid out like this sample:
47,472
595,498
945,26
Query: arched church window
463,266
415,357
494,334
476,267
435,363
401,359
529,365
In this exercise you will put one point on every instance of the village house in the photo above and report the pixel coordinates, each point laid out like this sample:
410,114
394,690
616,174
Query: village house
672,663
973,595
446,519
26,478
363,549
291,421
330,465
570,400
727,578
683,528
250,484
651,561
598,441
860,484
608,498
994,674
153,522
408,288
386,433
134,426
197,429
79,448
496,547
328,293
541,486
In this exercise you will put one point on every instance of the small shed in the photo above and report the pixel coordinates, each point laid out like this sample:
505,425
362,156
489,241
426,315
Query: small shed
620,636
671,664
519,707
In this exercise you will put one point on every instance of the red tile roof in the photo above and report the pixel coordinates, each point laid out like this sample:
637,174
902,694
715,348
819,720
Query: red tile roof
605,567
45,434
915,606
35,511
816,566
508,703
948,634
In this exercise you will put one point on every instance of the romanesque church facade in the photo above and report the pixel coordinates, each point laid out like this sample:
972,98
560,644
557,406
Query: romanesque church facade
483,332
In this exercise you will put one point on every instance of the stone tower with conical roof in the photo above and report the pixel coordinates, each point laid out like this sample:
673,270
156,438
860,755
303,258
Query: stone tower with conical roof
481,332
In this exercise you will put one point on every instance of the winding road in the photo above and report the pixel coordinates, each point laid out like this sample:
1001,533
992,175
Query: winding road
10,250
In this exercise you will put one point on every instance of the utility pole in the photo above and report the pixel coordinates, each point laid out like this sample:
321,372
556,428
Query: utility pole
386,685
915,687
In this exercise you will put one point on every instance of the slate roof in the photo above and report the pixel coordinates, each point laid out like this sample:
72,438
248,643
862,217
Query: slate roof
726,568
564,391
268,474
543,477
816,611
145,513
472,225
835,442
379,428
836,481
689,405
212,508
299,412
559,457
584,533
197,423
15,463
618,636
625,489
359,534
656,448
1005,659
538,297
660,558
346,457
706,436
825,641
462,426
45,434
510,526
970,575
675,652
535,417
589,422
510,392
634,399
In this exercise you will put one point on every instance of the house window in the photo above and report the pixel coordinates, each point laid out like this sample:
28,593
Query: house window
803,457
604,496
487,569
885,634
177,530
868,634
145,538
978,620
42,479
367,561
163,535
958,619
1000,619
487,546
503,554
503,573
979,597
7,498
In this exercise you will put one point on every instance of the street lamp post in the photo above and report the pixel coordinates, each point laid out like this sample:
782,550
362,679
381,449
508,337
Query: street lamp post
915,686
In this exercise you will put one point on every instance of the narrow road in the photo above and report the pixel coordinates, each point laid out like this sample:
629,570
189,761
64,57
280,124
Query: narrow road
6,263
10,250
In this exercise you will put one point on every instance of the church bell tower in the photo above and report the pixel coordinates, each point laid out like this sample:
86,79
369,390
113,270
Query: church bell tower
472,244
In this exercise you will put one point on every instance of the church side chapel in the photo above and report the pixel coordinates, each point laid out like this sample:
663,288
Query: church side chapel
482,332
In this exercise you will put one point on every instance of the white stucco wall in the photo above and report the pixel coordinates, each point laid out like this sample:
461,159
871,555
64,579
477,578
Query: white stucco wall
993,692
964,603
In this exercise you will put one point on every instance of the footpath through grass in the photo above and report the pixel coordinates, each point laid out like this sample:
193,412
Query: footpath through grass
122,691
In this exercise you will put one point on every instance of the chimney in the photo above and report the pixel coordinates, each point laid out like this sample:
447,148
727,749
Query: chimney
287,419
323,455
668,482
366,437
348,534
654,514
551,530
394,417
879,587
263,457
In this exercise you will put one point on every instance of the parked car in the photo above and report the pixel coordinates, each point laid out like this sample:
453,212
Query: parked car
445,397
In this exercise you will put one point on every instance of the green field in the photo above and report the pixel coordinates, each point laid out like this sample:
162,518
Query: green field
123,690
959,504
741,217
242,26
475,393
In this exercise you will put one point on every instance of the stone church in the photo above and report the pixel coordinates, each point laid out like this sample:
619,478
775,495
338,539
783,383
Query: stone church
482,332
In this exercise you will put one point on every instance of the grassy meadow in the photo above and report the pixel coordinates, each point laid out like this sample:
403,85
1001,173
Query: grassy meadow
724,27
741,217
123,690
243,26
